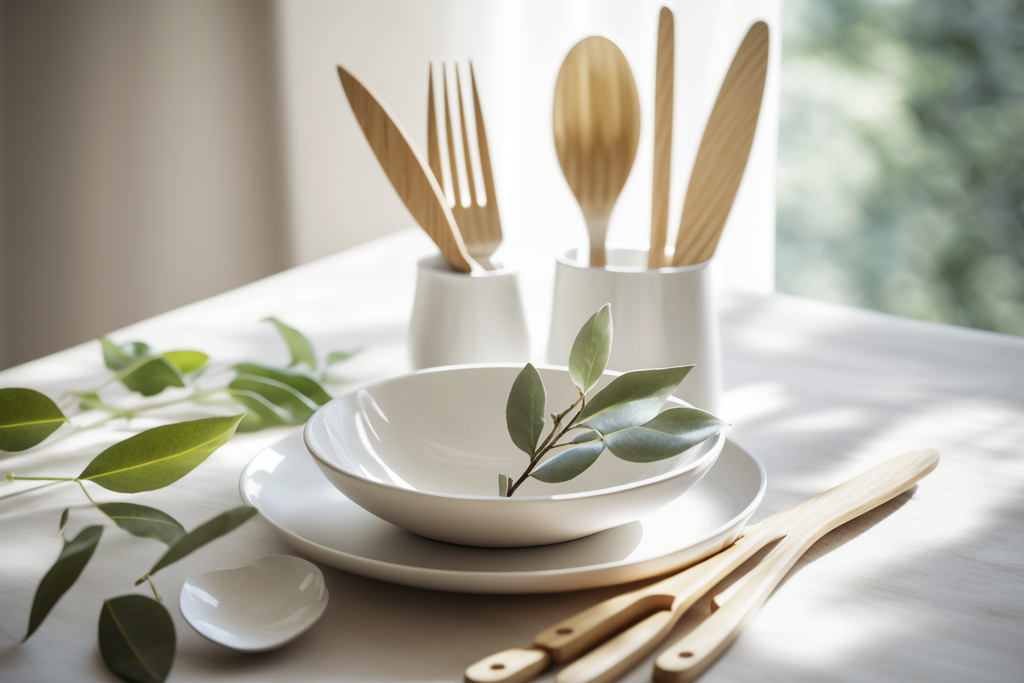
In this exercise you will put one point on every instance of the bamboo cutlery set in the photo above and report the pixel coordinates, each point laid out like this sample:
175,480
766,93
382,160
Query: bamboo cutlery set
596,122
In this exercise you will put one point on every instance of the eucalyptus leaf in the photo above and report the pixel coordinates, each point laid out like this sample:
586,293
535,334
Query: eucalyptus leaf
668,434
147,522
159,456
301,349
62,575
63,521
570,463
89,401
27,417
296,405
338,356
137,638
260,414
631,399
504,482
200,536
300,381
117,358
589,355
186,361
152,376
524,412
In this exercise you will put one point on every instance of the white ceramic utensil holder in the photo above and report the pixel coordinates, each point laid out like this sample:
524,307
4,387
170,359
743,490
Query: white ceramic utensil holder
460,318
661,317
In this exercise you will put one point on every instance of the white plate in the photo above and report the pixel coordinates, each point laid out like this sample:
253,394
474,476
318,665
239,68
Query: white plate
283,483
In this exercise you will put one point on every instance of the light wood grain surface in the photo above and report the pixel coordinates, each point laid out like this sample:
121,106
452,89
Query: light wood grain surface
409,175
664,92
723,152
927,587
596,124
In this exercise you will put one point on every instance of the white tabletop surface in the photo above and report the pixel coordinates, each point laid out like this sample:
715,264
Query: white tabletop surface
928,587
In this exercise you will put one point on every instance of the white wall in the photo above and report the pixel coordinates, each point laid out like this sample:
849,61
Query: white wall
339,196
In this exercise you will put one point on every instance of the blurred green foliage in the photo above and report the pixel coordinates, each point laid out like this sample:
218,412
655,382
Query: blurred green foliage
901,157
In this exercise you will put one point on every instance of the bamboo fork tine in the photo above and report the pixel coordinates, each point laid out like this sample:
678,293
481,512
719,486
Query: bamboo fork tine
465,139
481,140
453,170
433,152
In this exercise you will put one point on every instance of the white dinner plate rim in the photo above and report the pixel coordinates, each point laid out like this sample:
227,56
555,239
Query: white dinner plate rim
446,575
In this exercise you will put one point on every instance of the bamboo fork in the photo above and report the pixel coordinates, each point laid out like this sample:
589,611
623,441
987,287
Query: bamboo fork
479,223
660,605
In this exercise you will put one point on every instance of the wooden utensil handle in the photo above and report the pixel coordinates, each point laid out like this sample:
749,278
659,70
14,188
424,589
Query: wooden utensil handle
615,657
692,654
516,665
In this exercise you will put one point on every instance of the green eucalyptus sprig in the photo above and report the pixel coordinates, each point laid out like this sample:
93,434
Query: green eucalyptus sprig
625,416
136,634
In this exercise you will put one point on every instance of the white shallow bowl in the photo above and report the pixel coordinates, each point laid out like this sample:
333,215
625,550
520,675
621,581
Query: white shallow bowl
423,451
258,607
317,520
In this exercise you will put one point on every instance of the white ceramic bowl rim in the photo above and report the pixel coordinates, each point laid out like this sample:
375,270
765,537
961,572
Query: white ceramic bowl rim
522,499
564,258
437,265
749,510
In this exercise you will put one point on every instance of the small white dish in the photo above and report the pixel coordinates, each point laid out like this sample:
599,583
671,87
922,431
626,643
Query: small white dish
314,518
423,451
255,608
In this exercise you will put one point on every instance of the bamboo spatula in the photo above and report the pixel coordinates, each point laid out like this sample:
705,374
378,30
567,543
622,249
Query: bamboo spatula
723,152
405,169
667,600
664,83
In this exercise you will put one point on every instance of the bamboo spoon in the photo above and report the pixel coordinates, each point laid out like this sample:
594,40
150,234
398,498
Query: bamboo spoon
664,81
597,130
664,602
406,170
723,152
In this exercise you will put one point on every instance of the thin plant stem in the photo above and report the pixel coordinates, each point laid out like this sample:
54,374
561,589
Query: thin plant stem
551,440
12,477
153,586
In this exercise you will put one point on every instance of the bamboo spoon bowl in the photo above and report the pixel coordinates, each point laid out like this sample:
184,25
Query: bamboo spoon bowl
597,130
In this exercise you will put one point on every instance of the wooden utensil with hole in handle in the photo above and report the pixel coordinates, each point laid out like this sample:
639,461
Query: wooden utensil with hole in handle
596,121
723,152
664,84
654,610
405,169
479,224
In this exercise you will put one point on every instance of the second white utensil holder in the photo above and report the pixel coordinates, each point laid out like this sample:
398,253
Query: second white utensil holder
661,317
460,318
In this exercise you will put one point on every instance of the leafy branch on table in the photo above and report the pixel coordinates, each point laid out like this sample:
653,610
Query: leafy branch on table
625,416
136,634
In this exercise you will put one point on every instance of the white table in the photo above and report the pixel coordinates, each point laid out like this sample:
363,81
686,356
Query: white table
928,587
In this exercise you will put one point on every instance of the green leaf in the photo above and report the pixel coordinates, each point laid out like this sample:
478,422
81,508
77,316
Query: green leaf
524,412
295,405
631,399
301,349
338,356
26,418
260,412
147,522
137,638
152,376
668,434
117,358
159,456
300,381
589,355
62,575
569,464
215,528
89,401
504,482
63,521
186,361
